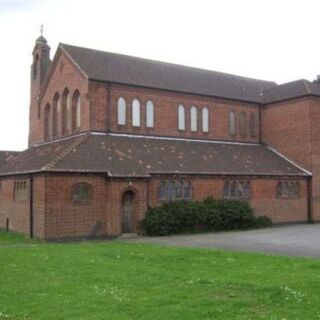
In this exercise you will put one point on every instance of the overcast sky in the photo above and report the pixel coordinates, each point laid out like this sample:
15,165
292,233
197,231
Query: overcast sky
267,39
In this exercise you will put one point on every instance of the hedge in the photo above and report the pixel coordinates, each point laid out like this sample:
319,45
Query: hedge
199,216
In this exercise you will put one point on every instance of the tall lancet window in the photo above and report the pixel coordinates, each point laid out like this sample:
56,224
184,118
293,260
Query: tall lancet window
69,114
232,123
252,125
193,119
205,120
47,122
78,122
181,118
150,114
136,113
64,111
243,124
122,111
76,111
55,112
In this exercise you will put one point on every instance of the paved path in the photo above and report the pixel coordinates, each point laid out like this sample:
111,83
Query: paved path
295,240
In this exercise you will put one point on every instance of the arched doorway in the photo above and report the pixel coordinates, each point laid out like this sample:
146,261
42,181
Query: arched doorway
127,211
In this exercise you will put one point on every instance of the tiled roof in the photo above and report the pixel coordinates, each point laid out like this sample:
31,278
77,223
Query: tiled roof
118,68
290,90
121,155
7,156
123,69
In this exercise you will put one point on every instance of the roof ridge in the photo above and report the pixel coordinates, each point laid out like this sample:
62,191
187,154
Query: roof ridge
63,45
169,138
65,152
306,85
289,160
9,152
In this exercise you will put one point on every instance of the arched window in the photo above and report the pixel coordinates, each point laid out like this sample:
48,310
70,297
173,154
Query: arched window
247,190
178,190
288,189
55,112
233,190
122,111
232,123
226,189
162,191
243,124
186,190
170,190
205,120
82,192
279,189
136,113
181,118
240,189
252,125
150,114
193,119
78,118
174,190
285,189
237,190
47,122
76,112
65,114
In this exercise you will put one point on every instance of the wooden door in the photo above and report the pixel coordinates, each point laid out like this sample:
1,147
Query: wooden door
127,223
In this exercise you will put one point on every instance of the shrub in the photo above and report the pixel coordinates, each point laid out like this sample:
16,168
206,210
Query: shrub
196,216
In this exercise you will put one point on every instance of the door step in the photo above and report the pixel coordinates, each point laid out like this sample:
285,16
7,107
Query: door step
129,236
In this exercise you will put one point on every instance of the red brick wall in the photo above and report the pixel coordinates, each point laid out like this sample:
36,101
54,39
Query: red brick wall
39,192
99,97
116,189
166,113
18,213
292,127
315,155
263,198
99,107
63,74
67,219
56,216
64,218
265,202
286,127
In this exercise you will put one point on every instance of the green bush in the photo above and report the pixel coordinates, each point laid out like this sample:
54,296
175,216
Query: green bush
197,216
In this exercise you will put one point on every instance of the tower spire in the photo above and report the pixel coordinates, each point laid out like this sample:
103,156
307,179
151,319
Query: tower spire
41,38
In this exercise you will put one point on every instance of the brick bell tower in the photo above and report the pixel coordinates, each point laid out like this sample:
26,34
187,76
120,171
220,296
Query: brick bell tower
39,67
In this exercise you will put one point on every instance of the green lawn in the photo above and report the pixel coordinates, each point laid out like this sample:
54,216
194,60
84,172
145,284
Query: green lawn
116,280
14,238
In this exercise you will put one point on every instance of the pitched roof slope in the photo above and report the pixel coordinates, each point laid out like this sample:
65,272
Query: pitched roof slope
290,90
136,156
7,156
123,69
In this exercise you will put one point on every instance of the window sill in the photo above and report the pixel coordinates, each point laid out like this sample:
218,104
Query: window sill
76,203
236,198
174,200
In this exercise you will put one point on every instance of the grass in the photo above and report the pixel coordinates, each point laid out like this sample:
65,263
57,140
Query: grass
117,280
14,238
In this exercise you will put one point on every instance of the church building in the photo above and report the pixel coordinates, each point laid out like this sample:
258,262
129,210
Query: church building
111,135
